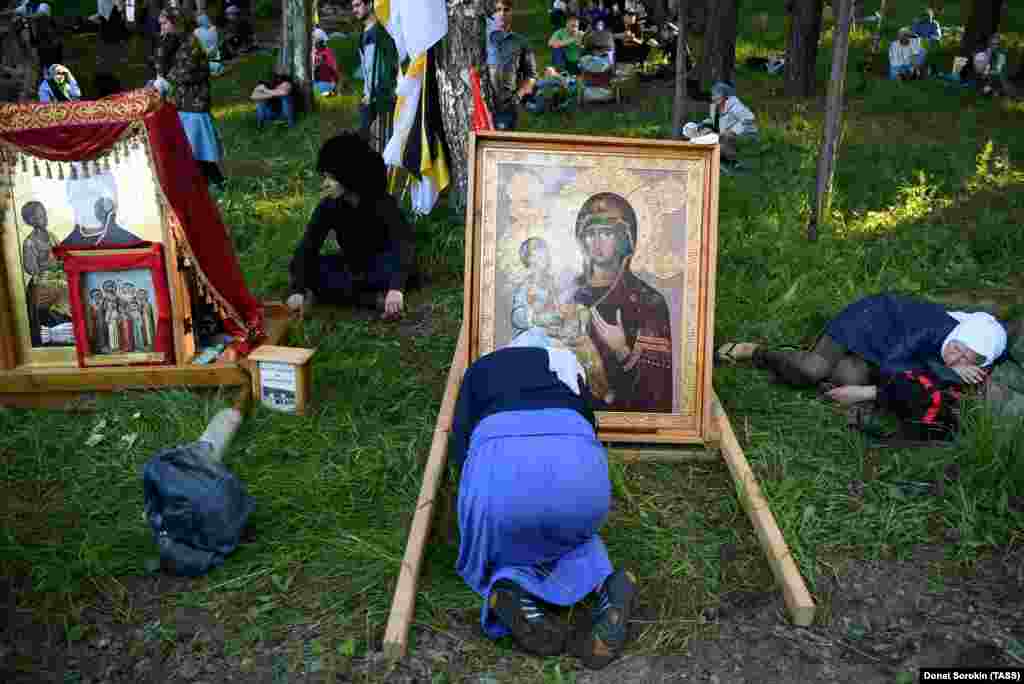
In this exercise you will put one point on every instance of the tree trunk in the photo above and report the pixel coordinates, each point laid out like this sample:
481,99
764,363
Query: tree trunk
296,30
679,106
462,47
833,119
984,21
802,47
876,41
718,63
658,11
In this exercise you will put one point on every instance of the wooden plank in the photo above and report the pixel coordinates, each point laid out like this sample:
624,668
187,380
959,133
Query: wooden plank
403,605
81,401
295,356
276,319
181,302
664,455
72,378
798,600
662,436
8,338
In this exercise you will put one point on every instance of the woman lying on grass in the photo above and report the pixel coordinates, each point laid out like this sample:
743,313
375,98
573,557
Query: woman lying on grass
898,351
533,493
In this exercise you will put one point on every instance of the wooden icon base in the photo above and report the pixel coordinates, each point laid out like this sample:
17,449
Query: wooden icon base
64,386
798,600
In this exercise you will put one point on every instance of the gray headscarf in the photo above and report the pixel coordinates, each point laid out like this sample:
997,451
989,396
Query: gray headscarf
722,89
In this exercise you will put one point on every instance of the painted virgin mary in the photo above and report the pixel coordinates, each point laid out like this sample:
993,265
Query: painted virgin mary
629,331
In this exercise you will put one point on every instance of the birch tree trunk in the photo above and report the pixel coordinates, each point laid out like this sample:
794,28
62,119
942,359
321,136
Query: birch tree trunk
802,47
462,47
295,57
833,119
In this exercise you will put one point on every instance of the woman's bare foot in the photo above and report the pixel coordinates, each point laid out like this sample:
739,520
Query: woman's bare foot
848,395
736,352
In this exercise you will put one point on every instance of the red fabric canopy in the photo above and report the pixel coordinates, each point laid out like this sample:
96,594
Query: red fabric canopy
81,131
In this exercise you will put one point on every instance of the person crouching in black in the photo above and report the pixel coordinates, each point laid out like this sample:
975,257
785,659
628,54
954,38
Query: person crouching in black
377,262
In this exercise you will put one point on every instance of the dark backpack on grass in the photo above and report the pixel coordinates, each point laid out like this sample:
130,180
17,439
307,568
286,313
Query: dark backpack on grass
196,507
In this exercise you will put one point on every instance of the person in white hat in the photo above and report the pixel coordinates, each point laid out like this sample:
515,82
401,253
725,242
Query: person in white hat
879,348
906,56
730,119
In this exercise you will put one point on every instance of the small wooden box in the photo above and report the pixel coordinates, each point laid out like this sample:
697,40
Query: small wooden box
281,377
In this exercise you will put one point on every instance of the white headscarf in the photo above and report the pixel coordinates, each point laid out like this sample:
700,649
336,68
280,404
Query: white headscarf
562,362
982,332
43,9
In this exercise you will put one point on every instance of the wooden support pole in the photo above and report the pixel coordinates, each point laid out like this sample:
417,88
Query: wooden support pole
403,605
798,600
833,120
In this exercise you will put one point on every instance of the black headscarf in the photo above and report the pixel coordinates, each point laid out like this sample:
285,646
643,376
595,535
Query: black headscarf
357,166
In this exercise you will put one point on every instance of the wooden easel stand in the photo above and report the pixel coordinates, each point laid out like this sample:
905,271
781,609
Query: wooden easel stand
403,605
798,600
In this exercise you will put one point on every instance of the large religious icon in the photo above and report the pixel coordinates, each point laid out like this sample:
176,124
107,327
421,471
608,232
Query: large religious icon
605,247
111,202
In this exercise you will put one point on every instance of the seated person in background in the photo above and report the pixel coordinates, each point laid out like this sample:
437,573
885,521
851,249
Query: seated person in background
630,47
593,13
274,99
565,44
898,351
906,56
533,493
514,74
208,37
237,33
989,65
559,14
319,34
47,37
59,85
927,29
730,118
600,42
377,261
325,69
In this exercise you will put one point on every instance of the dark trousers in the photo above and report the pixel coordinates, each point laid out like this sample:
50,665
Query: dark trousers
506,120
829,360
336,283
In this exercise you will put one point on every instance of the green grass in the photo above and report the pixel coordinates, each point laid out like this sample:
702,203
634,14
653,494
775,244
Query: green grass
928,199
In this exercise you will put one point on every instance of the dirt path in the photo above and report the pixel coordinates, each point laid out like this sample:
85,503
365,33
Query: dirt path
882,620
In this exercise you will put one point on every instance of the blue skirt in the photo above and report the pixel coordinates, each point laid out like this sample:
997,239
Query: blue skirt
202,136
533,494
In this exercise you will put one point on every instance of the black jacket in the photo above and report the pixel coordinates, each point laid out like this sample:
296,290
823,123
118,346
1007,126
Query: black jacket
375,227
510,379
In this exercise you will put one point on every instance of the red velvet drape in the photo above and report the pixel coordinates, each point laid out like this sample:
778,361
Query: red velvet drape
82,130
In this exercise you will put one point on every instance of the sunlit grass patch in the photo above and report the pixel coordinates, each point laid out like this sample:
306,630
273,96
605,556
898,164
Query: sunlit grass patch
916,202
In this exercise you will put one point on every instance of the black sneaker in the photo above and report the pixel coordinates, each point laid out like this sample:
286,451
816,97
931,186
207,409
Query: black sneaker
533,629
610,627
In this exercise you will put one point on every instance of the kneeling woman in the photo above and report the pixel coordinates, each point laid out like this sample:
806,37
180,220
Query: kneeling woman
533,493
890,349
377,262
